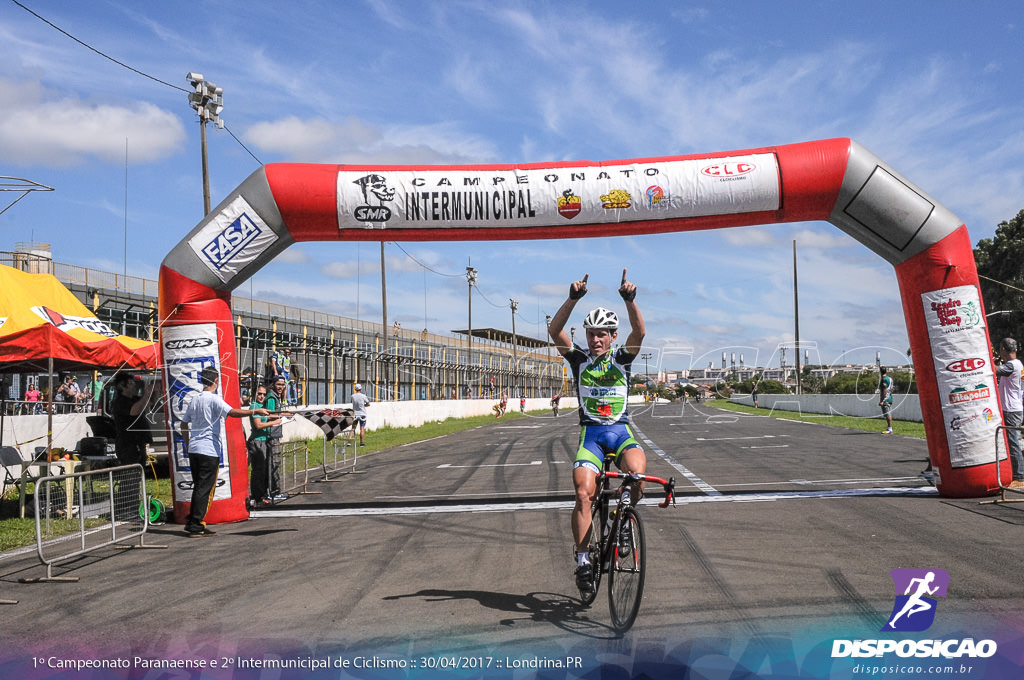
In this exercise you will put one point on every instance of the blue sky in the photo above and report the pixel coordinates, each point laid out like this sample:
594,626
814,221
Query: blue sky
933,88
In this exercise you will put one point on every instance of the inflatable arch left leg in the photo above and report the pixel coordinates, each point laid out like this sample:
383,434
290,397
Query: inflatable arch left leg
834,180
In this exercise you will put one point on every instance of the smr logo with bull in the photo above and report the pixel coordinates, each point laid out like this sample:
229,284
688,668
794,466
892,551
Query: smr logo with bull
374,187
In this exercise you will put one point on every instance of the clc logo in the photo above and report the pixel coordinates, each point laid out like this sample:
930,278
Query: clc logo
965,365
728,169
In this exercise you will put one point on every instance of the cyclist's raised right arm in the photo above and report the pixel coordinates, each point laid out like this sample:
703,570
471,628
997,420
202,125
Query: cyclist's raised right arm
556,329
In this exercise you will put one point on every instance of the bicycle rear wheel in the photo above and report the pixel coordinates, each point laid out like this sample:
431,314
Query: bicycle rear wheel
626,572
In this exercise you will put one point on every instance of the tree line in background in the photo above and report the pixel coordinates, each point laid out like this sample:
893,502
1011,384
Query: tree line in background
1000,262
865,382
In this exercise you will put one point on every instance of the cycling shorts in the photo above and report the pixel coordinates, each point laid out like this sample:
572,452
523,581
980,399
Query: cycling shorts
598,441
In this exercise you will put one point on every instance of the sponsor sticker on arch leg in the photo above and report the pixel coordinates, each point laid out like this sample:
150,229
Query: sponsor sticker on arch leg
187,350
964,373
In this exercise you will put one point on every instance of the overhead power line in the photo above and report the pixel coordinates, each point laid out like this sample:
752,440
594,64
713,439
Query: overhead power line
426,267
124,65
99,52
1001,283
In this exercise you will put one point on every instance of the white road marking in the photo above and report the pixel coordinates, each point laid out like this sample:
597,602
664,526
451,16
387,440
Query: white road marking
686,472
564,505
809,482
726,439
449,465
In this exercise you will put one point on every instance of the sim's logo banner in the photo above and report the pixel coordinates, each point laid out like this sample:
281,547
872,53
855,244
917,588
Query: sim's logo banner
411,198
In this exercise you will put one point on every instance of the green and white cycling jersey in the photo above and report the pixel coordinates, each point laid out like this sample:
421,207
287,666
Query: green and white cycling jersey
602,384
886,389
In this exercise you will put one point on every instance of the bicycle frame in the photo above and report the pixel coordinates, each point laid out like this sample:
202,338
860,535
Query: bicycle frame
602,502
620,554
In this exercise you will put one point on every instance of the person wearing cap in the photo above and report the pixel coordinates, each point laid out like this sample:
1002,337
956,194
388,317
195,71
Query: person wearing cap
276,401
885,389
359,403
201,442
601,375
1011,398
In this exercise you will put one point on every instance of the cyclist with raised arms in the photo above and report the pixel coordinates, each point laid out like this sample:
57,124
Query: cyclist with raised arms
601,373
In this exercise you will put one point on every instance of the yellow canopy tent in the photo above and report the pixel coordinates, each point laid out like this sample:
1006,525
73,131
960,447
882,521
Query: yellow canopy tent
44,327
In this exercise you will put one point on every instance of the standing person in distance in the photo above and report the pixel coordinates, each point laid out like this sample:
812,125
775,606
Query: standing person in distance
359,404
1011,397
200,438
885,390
131,434
277,399
601,374
258,447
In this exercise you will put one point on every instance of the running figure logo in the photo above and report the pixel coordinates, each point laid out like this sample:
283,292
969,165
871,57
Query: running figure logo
914,609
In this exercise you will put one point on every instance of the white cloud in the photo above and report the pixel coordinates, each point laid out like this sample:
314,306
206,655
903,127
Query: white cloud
352,141
750,237
39,129
293,255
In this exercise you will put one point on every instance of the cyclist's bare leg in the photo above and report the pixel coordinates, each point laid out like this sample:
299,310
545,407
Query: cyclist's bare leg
634,461
585,481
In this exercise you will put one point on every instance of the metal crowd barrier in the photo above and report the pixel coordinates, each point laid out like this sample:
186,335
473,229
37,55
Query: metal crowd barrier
80,512
1004,488
294,466
343,463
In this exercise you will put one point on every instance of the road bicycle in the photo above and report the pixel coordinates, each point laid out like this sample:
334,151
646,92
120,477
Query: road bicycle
617,546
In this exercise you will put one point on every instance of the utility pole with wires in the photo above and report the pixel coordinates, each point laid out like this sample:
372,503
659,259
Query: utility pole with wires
471,280
514,304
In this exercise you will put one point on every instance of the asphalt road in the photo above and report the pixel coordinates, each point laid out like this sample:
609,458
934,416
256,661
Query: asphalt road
458,550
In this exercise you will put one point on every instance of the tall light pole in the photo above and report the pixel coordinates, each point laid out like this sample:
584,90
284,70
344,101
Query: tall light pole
384,309
547,330
470,281
647,372
208,101
796,320
514,304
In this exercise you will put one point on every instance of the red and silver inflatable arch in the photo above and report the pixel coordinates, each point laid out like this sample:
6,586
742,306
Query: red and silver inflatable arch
836,180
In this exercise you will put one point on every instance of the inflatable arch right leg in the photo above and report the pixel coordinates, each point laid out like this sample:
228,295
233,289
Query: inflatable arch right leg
952,352
835,180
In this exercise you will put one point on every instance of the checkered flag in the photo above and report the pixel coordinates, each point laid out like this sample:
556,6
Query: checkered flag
332,421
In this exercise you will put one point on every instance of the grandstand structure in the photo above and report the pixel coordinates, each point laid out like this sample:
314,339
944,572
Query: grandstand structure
332,352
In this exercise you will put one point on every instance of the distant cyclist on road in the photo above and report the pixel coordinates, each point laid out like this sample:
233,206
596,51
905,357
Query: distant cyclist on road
601,374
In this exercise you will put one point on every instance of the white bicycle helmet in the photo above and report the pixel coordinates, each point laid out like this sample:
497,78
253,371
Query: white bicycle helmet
602,318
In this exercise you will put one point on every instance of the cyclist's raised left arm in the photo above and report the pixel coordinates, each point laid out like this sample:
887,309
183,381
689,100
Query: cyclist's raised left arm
637,328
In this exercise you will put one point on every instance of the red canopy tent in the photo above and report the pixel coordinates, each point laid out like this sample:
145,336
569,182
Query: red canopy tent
44,327
41,320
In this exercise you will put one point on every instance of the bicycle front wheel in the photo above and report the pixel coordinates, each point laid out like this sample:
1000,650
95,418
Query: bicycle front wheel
596,526
626,571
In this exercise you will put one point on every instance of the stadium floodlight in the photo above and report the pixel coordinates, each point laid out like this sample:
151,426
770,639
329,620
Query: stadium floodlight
208,101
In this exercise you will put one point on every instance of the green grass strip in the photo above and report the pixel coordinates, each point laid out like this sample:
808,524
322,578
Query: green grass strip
906,428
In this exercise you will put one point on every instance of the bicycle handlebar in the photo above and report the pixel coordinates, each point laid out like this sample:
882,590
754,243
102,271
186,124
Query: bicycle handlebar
669,485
